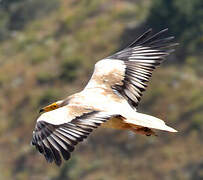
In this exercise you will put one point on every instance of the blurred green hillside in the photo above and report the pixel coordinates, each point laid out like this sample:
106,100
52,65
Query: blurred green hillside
48,50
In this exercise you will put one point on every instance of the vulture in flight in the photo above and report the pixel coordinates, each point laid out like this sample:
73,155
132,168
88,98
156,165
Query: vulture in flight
109,99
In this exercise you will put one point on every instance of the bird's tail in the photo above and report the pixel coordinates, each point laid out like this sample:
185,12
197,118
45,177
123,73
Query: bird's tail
149,121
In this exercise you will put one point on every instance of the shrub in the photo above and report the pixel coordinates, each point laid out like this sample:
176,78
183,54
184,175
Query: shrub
45,78
70,68
48,97
184,20
39,54
17,13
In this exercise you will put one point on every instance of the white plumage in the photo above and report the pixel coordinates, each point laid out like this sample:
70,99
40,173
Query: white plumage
110,98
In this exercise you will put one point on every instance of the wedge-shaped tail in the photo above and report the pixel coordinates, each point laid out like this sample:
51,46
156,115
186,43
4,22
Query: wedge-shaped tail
149,121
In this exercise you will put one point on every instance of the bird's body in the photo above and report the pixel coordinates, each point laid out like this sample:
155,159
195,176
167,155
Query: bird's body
109,99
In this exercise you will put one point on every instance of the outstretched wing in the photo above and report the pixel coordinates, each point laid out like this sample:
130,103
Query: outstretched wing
128,71
55,139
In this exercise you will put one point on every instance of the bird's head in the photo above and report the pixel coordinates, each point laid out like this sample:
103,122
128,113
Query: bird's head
51,107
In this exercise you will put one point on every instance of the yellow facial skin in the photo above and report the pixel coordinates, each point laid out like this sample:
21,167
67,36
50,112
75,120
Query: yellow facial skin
50,107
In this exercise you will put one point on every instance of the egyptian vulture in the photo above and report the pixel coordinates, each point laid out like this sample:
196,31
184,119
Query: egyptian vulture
109,99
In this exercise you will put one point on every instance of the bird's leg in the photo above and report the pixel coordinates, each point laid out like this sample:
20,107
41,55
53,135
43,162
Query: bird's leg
144,130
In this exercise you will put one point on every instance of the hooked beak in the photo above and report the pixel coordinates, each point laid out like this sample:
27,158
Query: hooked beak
48,108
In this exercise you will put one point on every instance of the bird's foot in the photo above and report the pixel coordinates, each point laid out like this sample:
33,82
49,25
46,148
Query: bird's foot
144,131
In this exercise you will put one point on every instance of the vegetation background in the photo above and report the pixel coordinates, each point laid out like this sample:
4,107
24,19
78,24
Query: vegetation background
48,50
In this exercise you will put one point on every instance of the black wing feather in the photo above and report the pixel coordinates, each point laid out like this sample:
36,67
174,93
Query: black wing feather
140,58
56,140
